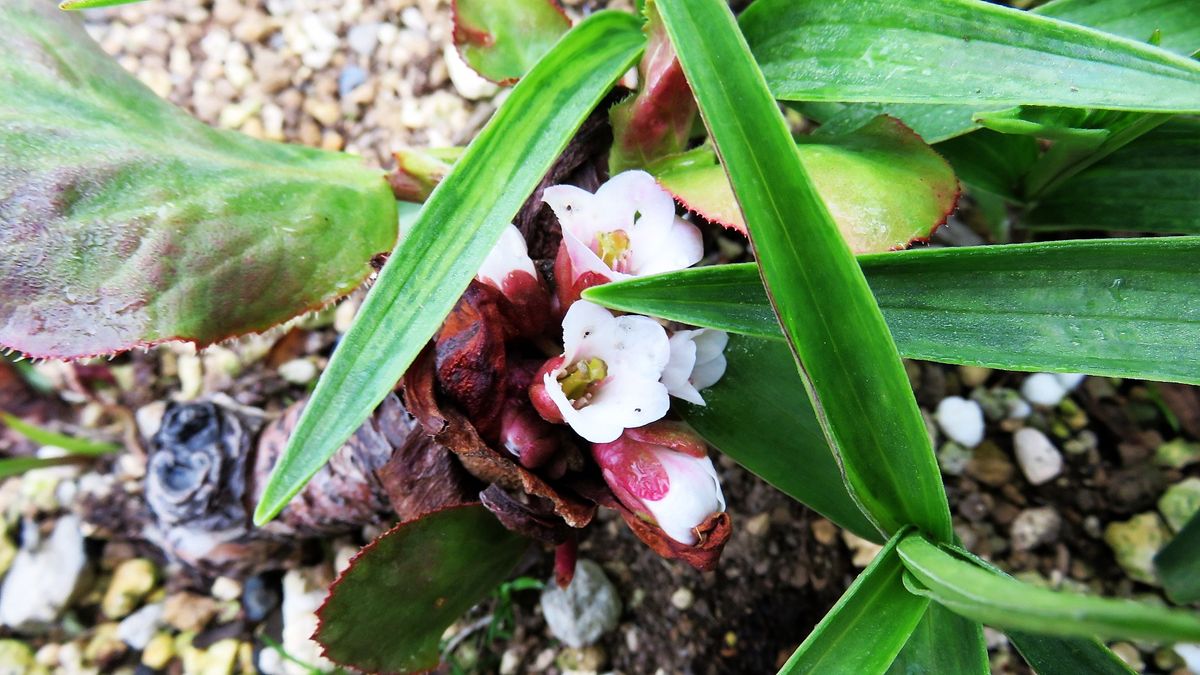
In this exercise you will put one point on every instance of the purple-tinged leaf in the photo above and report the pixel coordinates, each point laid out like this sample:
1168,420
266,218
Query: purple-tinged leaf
657,120
503,40
882,184
387,611
126,223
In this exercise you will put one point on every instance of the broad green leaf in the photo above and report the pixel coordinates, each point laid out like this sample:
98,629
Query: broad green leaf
943,642
867,627
933,122
504,40
1003,602
1150,185
388,610
850,366
761,391
69,5
1177,20
947,51
882,184
1052,655
75,446
456,228
1114,307
1179,564
128,223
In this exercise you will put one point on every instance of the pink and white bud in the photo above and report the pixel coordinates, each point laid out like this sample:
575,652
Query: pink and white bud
697,362
663,474
509,269
627,228
608,378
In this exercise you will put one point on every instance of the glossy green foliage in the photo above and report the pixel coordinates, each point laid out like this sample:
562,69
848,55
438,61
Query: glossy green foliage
946,51
1176,21
761,391
1006,603
73,445
128,223
444,248
1116,307
504,40
881,183
991,161
867,627
1053,655
1150,185
943,642
850,365
1179,564
388,610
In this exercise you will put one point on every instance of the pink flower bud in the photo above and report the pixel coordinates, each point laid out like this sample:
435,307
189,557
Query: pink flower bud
663,474
531,439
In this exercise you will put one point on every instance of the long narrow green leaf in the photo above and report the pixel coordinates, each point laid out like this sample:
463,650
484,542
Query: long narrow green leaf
1053,655
1150,185
15,466
761,391
1114,307
867,627
75,446
454,232
1003,602
851,368
943,642
1179,563
946,51
1177,21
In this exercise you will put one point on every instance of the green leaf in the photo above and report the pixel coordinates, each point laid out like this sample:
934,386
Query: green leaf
867,627
1114,307
129,223
1003,602
75,446
933,122
70,5
946,51
991,161
850,365
456,228
1150,185
1051,655
761,390
504,40
15,466
1178,564
1134,19
882,184
943,642
388,610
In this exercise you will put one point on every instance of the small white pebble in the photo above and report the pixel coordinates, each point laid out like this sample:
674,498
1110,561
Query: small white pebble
1043,389
466,81
1039,460
298,371
682,599
1190,653
961,420
1069,381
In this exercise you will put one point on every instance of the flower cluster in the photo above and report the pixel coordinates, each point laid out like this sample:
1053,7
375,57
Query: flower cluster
613,382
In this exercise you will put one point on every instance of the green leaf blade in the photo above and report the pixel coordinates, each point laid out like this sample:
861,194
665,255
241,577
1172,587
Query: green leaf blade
1006,603
945,51
456,228
75,446
867,627
387,611
504,40
1112,307
1178,564
943,642
850,364
128,223
761,390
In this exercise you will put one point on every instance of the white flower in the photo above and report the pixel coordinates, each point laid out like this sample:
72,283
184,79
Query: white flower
627,228
697,362
696,495
510,254
609,377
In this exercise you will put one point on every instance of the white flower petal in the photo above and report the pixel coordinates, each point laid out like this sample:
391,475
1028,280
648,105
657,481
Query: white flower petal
681,248
677,375
706,374
593,427
694,495
510,254
630,400
578,211
637,204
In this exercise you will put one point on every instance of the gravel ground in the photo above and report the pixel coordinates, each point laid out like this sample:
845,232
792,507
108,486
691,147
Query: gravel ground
1067,484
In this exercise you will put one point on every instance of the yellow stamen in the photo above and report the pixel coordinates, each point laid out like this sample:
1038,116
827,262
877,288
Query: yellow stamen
613,247
578,381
